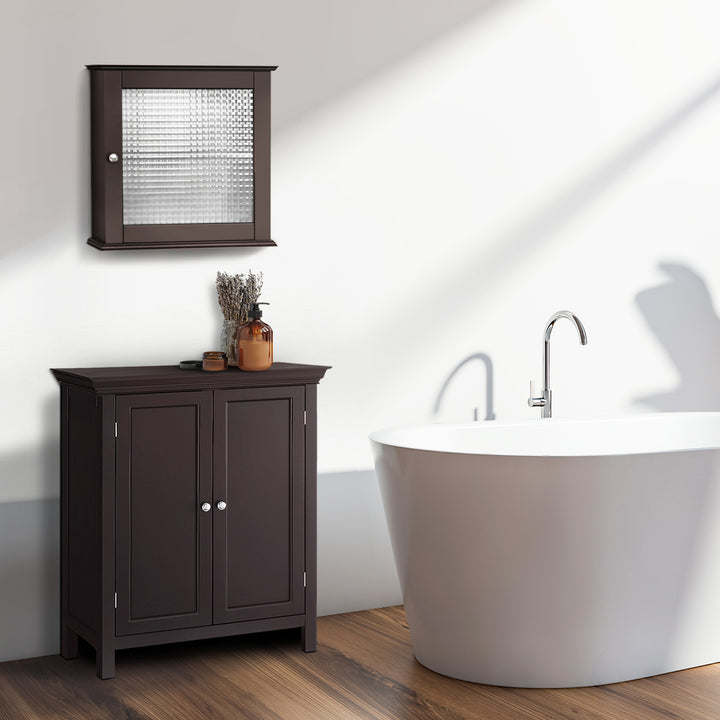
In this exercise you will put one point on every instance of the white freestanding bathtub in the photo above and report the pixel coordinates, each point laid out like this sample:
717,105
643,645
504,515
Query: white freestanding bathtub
556,553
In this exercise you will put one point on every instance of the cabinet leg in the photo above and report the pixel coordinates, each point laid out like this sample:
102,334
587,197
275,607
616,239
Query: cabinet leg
309,635
68,643
105,663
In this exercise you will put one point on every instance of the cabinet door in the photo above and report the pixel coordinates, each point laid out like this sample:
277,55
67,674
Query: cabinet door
164,538
259,465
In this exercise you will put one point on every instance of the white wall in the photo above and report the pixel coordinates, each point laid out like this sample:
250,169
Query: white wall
445,176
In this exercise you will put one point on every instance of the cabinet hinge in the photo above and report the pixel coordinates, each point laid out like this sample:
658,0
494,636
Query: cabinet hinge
116,428
116,601
304,579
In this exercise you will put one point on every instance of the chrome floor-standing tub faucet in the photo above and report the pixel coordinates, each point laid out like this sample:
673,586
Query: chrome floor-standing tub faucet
545,400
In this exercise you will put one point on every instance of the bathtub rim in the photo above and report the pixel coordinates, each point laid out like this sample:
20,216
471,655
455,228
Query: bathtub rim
391,436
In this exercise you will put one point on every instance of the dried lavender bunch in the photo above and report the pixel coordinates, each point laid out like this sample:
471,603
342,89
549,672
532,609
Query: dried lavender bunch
236,293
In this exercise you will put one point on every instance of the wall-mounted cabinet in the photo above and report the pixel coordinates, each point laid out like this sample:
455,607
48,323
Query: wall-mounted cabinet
188,505
180,156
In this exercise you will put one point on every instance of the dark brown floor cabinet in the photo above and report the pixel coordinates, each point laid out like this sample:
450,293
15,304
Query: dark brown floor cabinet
188,503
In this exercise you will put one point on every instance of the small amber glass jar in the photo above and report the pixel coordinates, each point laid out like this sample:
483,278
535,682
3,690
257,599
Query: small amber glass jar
214,360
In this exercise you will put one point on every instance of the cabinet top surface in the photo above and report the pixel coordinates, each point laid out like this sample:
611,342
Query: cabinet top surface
171,377
259,68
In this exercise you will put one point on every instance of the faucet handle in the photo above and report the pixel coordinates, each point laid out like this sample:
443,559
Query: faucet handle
535,401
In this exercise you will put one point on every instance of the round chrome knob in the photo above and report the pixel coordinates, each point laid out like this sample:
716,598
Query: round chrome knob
113,157
221,505
206,507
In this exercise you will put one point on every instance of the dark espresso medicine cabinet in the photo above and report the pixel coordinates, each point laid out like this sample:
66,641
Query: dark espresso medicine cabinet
188,505
180,156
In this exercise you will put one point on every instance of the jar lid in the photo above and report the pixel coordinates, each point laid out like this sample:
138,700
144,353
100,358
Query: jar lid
190,365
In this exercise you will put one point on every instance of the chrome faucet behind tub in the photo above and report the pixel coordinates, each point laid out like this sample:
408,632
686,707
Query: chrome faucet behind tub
545,400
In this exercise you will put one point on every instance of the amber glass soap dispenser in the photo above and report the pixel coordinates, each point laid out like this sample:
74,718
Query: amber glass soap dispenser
255,342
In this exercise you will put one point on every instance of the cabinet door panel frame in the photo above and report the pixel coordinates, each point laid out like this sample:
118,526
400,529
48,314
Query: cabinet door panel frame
285,406
140,471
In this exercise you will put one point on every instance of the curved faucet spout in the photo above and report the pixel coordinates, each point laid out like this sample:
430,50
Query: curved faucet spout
570,316
545,400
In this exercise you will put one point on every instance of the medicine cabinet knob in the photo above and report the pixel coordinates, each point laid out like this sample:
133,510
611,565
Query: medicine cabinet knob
112,157
221,505
206,507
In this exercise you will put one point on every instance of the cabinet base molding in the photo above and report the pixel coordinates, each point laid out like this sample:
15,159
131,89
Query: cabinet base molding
210,631
106,669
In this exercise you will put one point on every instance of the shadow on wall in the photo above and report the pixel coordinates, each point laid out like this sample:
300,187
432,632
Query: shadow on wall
29,578
356,570
489,412
478,275
681,314
33,471
394,31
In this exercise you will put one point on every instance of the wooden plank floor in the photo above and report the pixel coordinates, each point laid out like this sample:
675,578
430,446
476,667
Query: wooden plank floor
364,668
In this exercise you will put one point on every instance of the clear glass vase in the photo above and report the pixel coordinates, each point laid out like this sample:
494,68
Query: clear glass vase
229,341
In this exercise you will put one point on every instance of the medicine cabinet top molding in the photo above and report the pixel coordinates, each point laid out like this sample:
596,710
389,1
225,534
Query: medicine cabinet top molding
180,156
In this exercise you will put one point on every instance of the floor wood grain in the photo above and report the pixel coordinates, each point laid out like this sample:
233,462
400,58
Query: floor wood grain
364,669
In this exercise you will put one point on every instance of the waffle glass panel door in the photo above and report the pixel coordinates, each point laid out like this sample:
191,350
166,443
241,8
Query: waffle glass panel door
188,155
